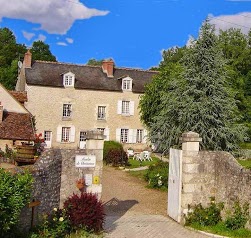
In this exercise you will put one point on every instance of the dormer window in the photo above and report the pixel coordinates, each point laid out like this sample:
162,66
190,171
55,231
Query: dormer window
69,79
127,84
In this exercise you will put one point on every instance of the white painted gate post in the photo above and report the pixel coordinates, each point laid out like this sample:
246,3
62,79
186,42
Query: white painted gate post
190,151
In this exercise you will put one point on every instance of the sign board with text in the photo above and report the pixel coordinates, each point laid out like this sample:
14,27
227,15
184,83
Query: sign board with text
85,161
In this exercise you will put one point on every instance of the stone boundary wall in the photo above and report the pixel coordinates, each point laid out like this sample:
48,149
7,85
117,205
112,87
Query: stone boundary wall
208,174
55,176
46,187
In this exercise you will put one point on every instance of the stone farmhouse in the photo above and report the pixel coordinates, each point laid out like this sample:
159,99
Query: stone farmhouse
15,121
69,99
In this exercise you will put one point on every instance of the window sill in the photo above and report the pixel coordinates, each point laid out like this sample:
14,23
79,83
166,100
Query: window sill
101,119
69,86
125,114
66,118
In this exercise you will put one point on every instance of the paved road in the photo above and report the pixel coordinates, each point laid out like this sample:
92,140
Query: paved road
136,212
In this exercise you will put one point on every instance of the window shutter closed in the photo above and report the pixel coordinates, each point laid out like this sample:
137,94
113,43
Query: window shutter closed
144,136
107,133
131,108
119,110
134,136
59,133
72,135
130,136
118,131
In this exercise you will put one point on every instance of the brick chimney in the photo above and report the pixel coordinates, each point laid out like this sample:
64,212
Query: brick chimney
107,66
27,59
1,112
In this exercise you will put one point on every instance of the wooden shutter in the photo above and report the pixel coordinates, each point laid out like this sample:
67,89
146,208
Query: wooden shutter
144,136
131,108
118,132
134,136
119,109
72,134
130,136
107,133
59,133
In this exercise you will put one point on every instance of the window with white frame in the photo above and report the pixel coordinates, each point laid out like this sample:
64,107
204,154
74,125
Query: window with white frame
127,84
125,107
82,136
47,135
69,79
101,130
67,110
139,136
124,135
66,132
101,112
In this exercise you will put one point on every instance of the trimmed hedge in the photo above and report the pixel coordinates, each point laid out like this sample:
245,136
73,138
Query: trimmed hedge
114,153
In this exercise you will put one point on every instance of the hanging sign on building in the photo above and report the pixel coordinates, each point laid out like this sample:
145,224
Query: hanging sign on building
85,161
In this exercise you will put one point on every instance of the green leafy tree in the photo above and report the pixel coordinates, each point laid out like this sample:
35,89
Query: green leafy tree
94,62
15,192
199,100
9,55
151,101
41,51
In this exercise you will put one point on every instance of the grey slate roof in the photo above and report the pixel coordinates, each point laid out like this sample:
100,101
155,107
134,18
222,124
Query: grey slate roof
86,77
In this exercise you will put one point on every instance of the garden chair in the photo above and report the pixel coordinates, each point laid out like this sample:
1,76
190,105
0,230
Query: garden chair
140,156
130,153
147,155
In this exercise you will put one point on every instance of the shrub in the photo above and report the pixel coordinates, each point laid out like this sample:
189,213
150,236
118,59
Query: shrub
208,216
239,217
85,211
54,225
157,175
15,192
114,153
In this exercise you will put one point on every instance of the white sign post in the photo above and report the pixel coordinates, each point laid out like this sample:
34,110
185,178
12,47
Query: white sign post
85,161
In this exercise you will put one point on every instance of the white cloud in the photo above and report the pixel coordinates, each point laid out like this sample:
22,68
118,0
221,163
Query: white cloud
41,37
69,40
54,16
28,35
240,20
61,43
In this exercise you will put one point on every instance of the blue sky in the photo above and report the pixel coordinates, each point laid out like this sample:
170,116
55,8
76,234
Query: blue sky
132,32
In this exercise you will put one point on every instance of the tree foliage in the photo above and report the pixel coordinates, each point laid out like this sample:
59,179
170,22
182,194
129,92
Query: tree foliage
94,62
11,52
194,96
41,51
15,192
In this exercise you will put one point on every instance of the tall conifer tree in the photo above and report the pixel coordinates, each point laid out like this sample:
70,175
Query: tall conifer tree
199,100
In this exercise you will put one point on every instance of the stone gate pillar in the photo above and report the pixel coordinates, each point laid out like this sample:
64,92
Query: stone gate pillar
94,146
190,168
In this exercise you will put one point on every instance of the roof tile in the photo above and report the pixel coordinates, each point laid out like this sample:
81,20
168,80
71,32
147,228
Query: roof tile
86,77
16,126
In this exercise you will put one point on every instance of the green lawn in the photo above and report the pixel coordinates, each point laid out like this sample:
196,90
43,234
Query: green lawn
245,163
139,174
220,229
137,164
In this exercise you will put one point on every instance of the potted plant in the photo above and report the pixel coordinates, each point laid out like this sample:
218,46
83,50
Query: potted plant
80,183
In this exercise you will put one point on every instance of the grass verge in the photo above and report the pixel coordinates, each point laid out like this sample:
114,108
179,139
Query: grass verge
136,164
220,229
245,163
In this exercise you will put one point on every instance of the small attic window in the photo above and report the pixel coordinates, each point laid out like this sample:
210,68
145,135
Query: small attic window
127,84
69,79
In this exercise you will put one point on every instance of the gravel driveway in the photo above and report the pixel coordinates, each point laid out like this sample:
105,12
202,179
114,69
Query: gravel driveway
134,211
